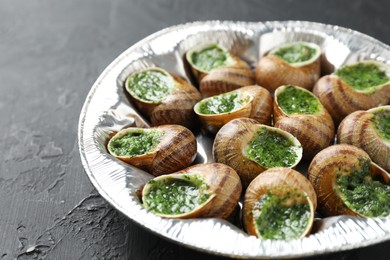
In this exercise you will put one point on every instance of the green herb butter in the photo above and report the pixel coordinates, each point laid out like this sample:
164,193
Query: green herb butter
381,122
150,85
173,196
363,76
295,53
363,194
210,58
223,103
278,218
294,100
134,142
270,149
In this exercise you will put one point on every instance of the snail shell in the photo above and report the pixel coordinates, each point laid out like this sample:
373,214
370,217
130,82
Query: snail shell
231,141
175,150
223,188
280,181
226,79
358,129
175,108
258,106
272,71
235,74
323,171
314,131
340,99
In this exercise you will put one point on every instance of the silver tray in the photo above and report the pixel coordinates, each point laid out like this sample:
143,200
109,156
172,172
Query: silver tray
107,109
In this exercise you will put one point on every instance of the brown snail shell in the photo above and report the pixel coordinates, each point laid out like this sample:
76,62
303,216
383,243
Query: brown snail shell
223,79
272,71
278,180
176,150
176,108
357,129
323,171
224,189
340,99
231,140
258,107
226,79
314,131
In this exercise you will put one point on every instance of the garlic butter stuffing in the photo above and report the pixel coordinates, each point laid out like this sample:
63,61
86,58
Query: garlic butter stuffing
358,86
250,101
163,97
370,131
299,112
250,148
157,150
194,192
348,182
279,204
217,70
296,63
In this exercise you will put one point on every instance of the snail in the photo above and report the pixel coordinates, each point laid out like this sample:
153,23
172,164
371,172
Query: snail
296,63
299,112
279,204
250,148
163,97
217,70
251,101
157,150
348,182
209,190
358,86
370,131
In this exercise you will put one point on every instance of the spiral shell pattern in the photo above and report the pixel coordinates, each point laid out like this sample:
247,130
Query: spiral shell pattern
358,130
175,151
340,99
314,131
259,107
271,179
224,187
323,171
272,72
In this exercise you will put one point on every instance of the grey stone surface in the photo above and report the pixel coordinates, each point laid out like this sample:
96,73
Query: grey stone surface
51,52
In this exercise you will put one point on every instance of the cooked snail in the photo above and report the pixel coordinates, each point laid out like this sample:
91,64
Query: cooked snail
217,70
296,63
251,101
279,204
370,131
163,97
203,191
359,86
347,182
250,148
157,150
299,112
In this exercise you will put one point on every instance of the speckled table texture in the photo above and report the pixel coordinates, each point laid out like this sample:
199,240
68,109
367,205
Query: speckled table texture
51,52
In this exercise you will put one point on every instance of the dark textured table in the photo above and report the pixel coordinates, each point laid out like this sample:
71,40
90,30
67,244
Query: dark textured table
51,52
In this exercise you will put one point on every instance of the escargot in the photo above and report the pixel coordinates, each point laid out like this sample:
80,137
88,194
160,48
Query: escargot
296,63
250,148
358,86
157,150
348,182
217,70
251,101
370,131
279,204
200,191
299,112
163,97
